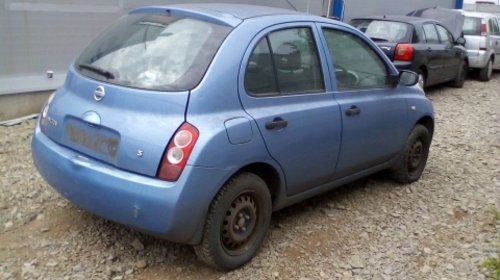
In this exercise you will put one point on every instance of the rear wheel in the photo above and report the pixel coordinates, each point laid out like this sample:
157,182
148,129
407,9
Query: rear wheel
459,81
237,223
412,162
486,72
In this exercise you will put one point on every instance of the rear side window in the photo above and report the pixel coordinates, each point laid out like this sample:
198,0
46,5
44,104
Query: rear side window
494,27
384,31
284,62
431,35
153,51
472,26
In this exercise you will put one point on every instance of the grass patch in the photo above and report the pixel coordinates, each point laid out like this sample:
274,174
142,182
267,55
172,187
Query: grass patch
491,266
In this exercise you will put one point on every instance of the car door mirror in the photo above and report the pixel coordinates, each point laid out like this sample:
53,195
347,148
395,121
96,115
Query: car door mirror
460,41
408,78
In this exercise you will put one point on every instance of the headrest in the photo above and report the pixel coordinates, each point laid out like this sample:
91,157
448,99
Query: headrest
288,57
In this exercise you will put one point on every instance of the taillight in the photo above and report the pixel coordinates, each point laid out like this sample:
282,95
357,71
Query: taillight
483,28
45,112
404,52
178,151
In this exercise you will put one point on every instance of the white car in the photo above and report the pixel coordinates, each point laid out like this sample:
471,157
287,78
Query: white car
482,35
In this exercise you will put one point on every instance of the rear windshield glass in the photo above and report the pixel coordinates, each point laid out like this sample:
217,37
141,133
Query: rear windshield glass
152,51
472,26
384,31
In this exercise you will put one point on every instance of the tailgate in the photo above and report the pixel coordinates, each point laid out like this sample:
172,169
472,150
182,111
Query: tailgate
128,128
388,49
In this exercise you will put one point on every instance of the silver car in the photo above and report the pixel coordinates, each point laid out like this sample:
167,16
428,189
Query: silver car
482,35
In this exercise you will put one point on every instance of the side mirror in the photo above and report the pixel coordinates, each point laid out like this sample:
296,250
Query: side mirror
460,41
408,78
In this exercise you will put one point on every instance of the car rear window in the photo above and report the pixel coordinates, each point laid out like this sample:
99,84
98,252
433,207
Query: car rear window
472,26
383,30
153,51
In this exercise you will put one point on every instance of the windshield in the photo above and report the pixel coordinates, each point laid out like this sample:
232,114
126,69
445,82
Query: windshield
152,51
384,31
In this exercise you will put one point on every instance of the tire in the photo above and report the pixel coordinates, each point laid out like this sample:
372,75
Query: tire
486,72
237,222
459,80
413,159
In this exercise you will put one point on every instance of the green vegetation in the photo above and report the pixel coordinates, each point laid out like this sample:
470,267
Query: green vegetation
491,266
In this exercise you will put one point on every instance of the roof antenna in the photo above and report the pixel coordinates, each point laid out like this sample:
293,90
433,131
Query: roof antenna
291,5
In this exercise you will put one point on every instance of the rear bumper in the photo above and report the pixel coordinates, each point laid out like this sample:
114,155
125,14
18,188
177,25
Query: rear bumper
172,210
477,58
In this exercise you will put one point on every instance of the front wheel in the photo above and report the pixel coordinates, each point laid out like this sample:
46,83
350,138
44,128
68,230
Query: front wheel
459,80
237,223
412,161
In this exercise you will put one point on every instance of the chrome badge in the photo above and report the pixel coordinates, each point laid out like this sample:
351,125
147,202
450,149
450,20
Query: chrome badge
99,93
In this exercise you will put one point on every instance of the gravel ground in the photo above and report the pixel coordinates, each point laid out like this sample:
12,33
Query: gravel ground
440,227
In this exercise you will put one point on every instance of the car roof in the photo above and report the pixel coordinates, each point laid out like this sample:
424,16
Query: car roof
231,14
478,14
405,19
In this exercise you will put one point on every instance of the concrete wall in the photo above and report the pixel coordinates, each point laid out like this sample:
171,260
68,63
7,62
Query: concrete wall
359,8
18,105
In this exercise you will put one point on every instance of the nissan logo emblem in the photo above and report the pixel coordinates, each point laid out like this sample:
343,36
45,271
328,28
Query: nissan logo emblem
99,93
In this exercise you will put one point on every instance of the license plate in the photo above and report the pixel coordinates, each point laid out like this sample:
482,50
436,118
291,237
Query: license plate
99,140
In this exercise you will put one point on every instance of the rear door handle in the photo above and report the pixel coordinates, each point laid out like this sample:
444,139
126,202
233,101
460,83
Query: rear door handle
354,110
276,123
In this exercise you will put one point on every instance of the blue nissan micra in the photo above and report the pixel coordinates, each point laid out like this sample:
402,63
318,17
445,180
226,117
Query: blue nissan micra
195,122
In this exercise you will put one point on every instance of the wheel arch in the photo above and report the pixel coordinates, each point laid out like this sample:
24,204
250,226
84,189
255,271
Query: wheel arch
267,173
428,122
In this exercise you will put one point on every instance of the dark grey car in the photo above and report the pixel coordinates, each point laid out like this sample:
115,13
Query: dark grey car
422,45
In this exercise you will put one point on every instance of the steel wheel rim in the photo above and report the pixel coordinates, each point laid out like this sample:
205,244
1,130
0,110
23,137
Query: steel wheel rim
415,155
240,223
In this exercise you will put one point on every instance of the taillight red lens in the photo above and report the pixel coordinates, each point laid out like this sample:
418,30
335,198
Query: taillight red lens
178,151
484,28
404,52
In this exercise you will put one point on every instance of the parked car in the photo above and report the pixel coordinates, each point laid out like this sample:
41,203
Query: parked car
194,122
482,35
418,44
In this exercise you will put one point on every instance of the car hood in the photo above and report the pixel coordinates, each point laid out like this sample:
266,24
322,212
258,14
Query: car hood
451,19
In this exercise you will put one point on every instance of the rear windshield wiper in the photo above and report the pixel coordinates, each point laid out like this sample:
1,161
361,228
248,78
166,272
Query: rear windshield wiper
378,39
105,73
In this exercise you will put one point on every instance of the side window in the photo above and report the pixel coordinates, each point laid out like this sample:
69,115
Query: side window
494,30
430,33
356,65
444,35
260,78
285,62
296,61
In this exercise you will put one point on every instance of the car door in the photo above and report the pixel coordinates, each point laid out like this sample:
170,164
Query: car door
451,55
284,91
373,113
434,52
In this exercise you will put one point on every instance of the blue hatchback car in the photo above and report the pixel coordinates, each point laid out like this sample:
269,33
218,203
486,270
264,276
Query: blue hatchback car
195,122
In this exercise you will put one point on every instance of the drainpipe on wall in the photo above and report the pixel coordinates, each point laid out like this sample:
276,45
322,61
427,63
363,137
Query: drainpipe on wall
338,9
